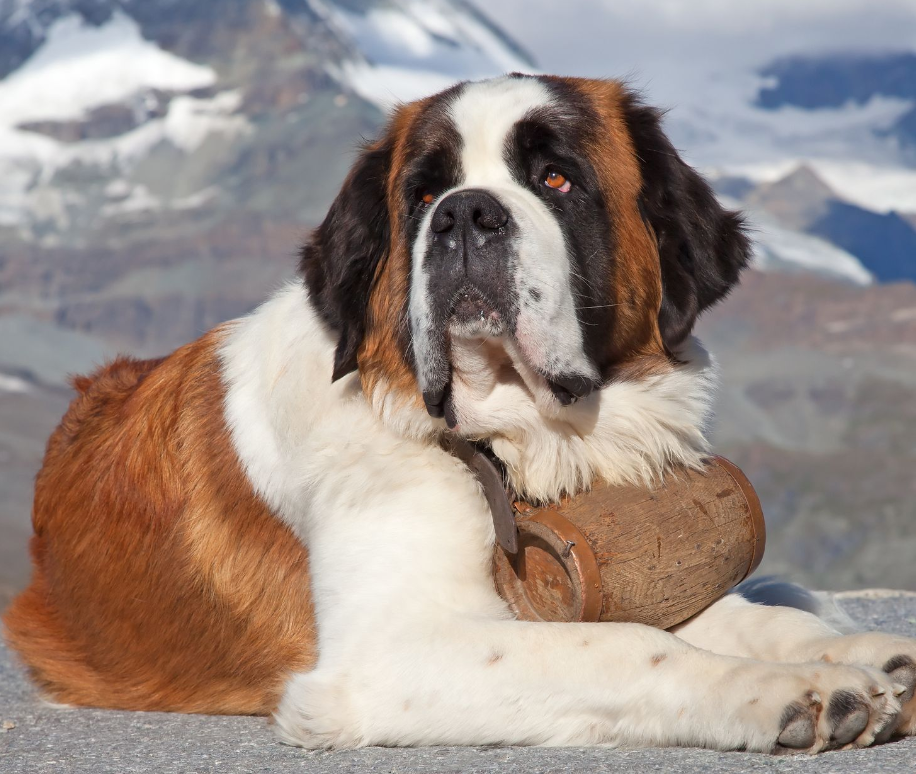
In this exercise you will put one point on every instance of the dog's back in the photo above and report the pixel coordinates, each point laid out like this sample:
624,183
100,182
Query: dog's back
143,595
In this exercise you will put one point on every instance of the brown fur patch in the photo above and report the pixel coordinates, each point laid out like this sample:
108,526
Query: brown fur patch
658,658
382,358
160,580
634,343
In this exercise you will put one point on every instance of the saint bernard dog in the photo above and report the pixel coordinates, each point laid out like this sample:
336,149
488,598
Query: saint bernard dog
266,521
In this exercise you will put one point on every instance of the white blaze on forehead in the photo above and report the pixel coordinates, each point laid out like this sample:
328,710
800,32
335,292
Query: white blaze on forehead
484,115
547,327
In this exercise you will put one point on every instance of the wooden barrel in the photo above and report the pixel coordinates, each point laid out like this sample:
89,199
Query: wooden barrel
631,554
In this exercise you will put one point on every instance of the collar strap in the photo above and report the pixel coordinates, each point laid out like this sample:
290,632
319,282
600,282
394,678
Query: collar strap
494,489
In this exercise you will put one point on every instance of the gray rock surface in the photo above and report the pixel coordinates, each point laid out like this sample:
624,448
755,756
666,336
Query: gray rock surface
35,737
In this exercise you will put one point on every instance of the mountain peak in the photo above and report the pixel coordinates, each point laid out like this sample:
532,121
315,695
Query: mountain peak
796,200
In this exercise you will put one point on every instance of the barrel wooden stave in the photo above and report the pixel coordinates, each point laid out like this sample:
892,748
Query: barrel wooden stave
660,555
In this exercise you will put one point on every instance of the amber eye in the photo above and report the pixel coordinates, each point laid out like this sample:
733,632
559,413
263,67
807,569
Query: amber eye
426,197
558,182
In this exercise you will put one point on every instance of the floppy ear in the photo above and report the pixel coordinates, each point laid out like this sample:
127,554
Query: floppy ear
702,247
341,259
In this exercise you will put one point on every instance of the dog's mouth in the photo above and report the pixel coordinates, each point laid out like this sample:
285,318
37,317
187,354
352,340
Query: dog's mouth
475,340
474,315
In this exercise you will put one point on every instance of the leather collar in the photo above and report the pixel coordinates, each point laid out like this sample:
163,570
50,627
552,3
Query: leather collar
483,464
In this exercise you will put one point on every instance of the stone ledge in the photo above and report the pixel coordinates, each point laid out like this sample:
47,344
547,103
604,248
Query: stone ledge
35,737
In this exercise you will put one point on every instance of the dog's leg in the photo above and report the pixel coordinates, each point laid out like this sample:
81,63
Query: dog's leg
461,680
735,626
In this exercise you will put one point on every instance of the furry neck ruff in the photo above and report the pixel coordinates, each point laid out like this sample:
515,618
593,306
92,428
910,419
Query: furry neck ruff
631,431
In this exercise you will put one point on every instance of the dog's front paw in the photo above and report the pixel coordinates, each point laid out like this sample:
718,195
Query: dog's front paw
894,655
809,708
313,714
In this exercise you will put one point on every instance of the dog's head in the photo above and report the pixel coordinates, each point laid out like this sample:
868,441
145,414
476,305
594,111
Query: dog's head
528,228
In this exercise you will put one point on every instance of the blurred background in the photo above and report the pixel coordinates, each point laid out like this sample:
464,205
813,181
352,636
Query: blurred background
160,160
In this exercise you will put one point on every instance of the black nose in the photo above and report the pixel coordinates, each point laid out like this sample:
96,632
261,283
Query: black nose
472,210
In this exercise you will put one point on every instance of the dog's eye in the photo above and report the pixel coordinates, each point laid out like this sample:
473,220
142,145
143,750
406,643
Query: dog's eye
558,182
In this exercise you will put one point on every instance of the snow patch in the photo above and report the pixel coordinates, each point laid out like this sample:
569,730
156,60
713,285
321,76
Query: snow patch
190,121
28,162
197,199
138,200
777,248
117,188
13,384
387,86
397,31
880,188
80,67
410,49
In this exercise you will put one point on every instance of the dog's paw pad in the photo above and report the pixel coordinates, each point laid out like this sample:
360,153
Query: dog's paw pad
848,715
799,725
902,670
